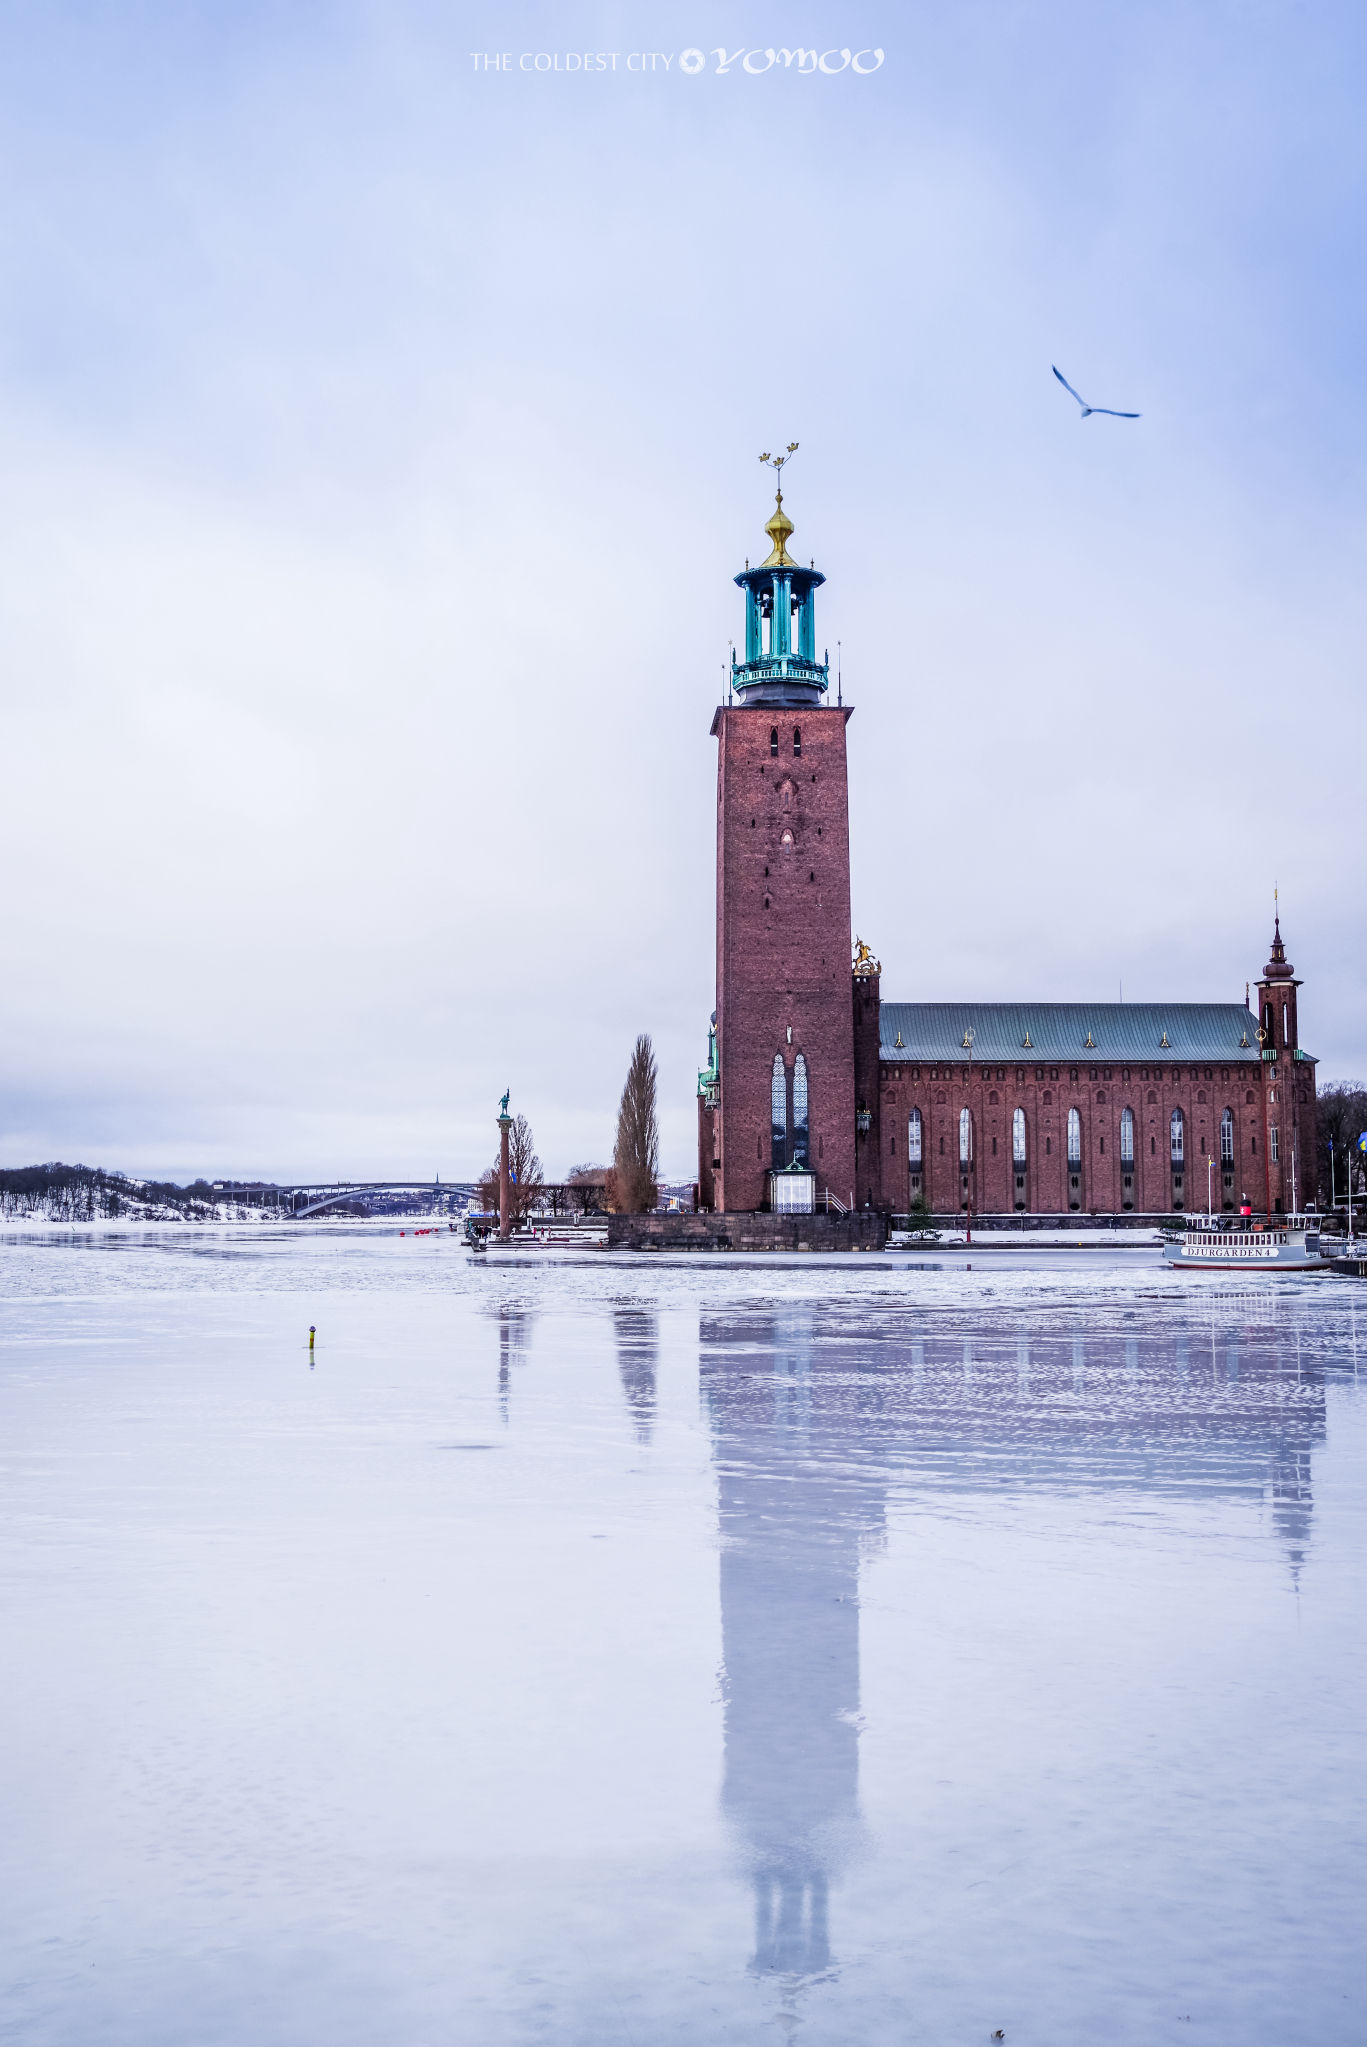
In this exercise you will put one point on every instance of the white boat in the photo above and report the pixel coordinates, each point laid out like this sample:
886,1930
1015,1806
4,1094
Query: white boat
1290,1246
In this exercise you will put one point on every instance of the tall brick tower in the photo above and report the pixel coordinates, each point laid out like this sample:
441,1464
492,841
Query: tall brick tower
779,1089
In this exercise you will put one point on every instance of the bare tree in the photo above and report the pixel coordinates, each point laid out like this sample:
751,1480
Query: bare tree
592,1188
636,1155
1341,1117
525,1177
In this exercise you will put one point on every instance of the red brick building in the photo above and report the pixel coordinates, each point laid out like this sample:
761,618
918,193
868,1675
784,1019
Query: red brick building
1046,1109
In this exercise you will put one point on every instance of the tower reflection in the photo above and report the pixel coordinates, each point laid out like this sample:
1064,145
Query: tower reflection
792,1525
820,1412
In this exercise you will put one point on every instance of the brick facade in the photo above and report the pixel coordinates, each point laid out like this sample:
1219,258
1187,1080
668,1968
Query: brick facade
1262,1096
783,941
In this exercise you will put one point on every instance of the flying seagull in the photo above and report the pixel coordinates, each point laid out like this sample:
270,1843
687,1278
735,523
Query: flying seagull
1088,410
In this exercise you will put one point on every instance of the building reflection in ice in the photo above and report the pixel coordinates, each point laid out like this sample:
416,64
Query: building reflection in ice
822,1414
637,1333
791,1528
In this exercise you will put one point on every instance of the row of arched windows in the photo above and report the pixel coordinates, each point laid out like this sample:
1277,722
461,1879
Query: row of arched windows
1019,1151
797,742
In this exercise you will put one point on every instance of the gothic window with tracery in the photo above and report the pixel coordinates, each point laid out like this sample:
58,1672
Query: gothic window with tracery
1176,1137
1127,1137
778,1113
800,1117
1018,1137
965,1136
1227,1138
914,1138
1074,1138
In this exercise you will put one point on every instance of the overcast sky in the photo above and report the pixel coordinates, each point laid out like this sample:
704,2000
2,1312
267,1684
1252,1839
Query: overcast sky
378,441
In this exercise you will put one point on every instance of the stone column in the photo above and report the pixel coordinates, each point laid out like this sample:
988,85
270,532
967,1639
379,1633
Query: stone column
505,1124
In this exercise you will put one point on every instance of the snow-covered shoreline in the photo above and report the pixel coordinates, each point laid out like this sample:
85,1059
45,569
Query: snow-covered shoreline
225,1217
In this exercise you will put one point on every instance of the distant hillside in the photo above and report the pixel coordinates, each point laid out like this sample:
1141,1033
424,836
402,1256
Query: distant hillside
58,1193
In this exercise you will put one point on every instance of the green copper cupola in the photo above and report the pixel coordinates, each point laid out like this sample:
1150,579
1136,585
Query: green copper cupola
780,665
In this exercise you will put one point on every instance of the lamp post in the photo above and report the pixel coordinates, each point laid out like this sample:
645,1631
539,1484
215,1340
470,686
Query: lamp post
968,1043
1210,1198
1262,1090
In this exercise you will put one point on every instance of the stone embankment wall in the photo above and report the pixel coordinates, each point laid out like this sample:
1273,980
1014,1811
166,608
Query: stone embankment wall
747,1231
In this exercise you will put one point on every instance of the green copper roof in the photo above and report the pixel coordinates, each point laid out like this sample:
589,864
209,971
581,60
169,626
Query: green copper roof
1134,1031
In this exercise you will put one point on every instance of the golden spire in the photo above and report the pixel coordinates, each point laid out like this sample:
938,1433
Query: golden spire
780,526
778,529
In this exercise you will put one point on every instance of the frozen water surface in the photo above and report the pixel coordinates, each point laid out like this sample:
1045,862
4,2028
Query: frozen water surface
719,1651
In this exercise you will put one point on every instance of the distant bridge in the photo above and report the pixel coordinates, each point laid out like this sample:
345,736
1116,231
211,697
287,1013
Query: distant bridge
302,1198
294,1200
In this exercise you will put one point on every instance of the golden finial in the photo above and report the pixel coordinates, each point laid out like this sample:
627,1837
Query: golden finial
780,526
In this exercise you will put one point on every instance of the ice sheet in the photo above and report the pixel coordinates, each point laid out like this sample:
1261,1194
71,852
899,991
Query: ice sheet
612,1650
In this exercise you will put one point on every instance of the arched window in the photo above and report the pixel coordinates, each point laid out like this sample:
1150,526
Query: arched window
800,1110
1074,1138
1175,1137
965,1136
773,739
1267,1020
914,1139
778,1113
797,741
1227,1138
1018,1137
1127,1137
1286,1023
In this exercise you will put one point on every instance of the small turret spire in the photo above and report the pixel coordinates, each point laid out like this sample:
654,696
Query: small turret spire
1278,967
